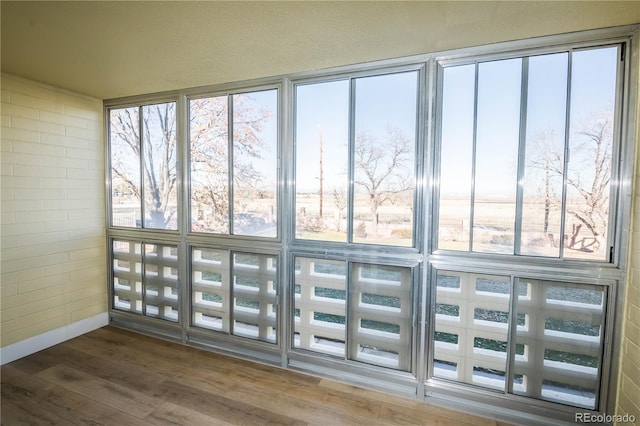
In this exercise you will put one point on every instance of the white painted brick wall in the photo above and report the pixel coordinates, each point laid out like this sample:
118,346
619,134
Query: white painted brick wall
53,227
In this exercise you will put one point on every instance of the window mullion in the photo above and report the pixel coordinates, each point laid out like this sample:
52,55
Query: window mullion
524,85
230,155
473,156
350,164
567,153
142,174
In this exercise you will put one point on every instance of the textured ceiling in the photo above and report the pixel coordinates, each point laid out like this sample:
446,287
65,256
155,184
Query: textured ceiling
114,49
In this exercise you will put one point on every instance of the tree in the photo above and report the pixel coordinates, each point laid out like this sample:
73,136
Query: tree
588,175
159,170
383,170
208,156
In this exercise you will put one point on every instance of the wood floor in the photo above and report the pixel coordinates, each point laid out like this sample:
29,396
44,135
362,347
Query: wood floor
114,377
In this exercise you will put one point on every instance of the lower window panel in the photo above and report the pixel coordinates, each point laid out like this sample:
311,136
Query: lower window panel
235,293
145,279
557,350
363,315
562,341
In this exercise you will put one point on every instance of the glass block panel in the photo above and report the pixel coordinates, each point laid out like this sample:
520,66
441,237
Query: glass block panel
320,305
380,312
255,296
471,328
562,341
210,288
127,276
161,281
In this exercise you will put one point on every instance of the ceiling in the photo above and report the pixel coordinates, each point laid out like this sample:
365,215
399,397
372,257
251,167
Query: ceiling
115,49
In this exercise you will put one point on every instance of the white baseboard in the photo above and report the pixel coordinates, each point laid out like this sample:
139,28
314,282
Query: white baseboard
51,338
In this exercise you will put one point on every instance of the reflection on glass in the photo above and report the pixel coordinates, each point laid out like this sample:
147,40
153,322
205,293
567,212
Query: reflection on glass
593,88
209,155
380,312
255,296
160,165
255,144
161,282
544,162
124,141
456,157
561,341
384,157
320,306
470,339
210,289
322,134
498,129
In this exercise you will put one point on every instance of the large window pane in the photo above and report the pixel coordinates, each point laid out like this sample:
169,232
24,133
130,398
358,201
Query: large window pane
124,131
384,158
320,305
322,154
561,337
496,165
209,156
544,161
593,93
160,171
255,146
456,157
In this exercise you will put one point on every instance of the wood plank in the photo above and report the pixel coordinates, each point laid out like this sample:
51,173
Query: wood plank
169,414
223,408
110,394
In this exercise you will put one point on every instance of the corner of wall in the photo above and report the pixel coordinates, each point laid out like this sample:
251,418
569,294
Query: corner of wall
53,268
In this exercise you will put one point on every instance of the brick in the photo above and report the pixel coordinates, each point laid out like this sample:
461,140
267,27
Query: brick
89,134
21,299
42,238
41,102
43,283
5,121
5,96
41,171
21,182
89,311
63,140
20,135
19,111
18,158
38,126
16,277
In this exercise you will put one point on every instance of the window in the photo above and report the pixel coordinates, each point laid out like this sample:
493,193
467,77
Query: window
527,152
363,131
233,157
373,325
429,225
144,169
